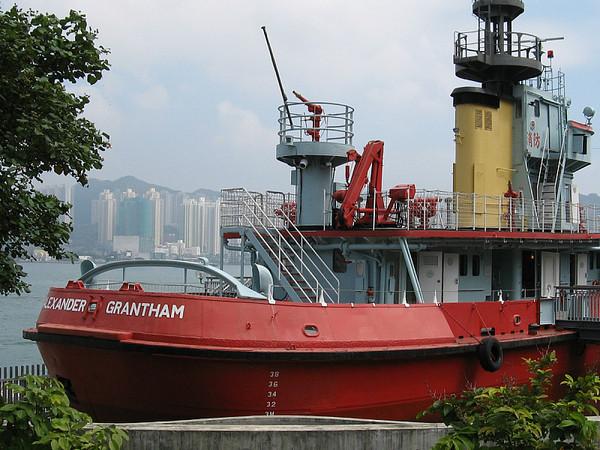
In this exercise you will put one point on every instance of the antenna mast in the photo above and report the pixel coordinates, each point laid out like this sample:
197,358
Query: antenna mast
285,100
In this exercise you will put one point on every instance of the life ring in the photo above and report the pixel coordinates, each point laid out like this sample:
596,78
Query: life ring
490,354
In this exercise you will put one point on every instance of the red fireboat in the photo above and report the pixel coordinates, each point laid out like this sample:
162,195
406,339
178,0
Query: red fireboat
355,300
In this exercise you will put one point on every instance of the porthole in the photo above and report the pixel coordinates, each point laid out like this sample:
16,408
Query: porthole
311,330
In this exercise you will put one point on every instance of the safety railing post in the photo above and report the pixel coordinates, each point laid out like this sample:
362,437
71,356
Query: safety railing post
499,212
473,197
485,212
522,214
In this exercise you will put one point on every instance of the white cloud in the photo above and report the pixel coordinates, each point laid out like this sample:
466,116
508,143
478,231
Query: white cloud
242,151
390,59
155,97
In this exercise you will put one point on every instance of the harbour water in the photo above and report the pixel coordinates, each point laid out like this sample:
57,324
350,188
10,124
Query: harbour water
20,312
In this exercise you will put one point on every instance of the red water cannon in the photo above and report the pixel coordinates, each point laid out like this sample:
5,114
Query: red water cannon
316,110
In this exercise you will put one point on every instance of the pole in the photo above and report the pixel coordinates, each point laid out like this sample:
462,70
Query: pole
285,100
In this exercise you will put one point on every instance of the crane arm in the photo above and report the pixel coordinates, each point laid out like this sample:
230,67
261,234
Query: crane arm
372,158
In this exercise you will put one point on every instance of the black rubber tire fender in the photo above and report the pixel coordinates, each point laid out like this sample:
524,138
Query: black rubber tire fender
490,354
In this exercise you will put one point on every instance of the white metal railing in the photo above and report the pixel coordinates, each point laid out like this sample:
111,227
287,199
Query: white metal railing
549,82
205,286
578,303
275,205
473,43
336,122
440,210
297,260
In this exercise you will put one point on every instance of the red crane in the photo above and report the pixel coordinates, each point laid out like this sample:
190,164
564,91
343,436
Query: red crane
372,158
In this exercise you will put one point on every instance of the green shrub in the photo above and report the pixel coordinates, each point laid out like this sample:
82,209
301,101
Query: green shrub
43,419
522,417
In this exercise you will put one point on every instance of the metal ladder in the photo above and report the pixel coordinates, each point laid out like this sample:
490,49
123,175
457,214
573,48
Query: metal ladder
288,254
560,171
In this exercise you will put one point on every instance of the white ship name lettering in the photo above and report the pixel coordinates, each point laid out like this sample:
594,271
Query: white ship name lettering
145,309
65,304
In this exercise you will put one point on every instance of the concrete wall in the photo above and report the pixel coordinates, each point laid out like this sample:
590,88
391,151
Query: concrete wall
282,433
285,433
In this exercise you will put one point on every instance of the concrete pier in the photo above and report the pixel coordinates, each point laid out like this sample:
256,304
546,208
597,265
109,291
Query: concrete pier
282,433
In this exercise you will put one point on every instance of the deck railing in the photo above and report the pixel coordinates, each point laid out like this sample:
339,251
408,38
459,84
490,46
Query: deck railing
578,303
14,374
206,286
440,210
335,123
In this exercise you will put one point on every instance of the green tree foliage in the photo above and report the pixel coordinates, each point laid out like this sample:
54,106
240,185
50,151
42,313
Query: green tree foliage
43,420
42,129
522,417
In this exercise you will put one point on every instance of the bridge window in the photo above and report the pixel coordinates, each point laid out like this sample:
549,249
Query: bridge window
476,266
463,262
536,108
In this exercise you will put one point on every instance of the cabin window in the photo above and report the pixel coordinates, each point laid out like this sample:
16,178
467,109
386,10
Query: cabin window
536,108
476,266
591,261
598,260
462,265
580,144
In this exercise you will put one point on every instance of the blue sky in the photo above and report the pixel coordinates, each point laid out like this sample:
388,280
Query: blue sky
191,99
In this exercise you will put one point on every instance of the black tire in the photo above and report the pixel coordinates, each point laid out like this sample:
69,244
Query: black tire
490,354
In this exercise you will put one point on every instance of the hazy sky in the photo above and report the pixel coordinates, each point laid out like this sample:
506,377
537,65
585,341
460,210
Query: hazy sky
191,98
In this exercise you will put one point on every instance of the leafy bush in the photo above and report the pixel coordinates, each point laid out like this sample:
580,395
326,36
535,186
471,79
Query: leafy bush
43,419
522,417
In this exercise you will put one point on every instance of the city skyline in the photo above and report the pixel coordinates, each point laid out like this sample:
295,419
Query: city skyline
142,221
186,225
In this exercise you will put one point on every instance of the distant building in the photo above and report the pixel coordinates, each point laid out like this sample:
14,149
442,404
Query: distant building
135,218
201,225
174,215
104,211
158,215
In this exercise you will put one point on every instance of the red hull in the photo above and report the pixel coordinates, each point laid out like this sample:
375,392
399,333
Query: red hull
229,357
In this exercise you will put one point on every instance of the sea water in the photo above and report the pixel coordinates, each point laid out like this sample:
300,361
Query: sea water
18,312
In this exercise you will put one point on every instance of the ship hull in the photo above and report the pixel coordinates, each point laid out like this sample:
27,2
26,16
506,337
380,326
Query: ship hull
234,357
145,385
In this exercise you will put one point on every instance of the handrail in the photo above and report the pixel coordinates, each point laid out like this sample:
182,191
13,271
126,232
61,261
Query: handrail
274,254
307,244
242,291
442,210
336,120
235,203
577,303
510,43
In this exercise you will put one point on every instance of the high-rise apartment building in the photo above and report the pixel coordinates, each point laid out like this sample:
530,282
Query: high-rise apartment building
201,225
158,214
104,213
